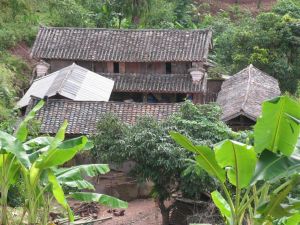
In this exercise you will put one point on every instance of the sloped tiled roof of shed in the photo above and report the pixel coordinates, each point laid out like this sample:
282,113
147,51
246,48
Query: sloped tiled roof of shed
244,93
122,45
155,83
83,116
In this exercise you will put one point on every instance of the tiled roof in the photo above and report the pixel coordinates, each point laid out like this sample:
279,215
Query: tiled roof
83,116
244,93
73,82
158,83
122,45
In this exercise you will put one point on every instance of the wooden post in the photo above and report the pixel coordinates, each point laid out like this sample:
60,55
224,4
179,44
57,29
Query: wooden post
122,67
110,67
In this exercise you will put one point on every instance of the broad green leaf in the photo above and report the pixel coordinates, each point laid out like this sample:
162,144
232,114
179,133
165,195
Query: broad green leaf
239,160
79,184
183,141
100,198
13,171
22,130
12,167
74,176
34,156
296,153
205,157
63,153
274,208
293,220
77,172
12,145
275,130
89,145
59,195
34,173
60,135
272,167
222,204
46,140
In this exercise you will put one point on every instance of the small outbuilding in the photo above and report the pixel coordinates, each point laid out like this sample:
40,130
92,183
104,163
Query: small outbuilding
242,95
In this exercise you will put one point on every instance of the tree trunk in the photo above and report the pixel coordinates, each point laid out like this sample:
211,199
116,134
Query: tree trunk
135,20
258,4
164,212
165,217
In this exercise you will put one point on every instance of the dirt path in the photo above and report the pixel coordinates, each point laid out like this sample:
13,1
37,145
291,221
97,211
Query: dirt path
139,212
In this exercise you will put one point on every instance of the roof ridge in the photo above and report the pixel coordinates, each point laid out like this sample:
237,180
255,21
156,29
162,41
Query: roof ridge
125,29
264,73
60,88
143,74
110,102
248,86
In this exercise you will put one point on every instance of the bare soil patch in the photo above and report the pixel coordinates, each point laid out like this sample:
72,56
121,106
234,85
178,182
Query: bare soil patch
139,212
22,50
250,5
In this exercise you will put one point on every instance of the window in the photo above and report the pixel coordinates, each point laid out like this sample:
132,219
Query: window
168,68
116,67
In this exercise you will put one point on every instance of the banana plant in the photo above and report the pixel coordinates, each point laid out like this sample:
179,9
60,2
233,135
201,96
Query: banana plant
44,174
37,160
12,156
57,153
253,170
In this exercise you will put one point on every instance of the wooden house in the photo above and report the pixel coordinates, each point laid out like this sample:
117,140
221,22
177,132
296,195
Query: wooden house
152,72
161,66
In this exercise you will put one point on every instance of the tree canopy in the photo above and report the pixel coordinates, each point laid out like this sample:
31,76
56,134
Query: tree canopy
157,156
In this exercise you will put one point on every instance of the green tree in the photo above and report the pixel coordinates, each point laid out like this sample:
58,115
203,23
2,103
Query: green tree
157,157
161,14
270,41
70,13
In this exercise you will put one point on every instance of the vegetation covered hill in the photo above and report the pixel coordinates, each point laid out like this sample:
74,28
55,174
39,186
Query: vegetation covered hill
244,33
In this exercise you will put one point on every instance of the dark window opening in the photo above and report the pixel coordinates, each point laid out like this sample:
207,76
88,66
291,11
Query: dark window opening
168,68
126,97
116,67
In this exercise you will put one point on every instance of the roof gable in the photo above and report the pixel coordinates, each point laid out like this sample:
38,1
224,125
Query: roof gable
244,92
122,45
72,82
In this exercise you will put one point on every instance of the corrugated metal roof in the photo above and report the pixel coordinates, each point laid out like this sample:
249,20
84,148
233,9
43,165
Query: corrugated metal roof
73,82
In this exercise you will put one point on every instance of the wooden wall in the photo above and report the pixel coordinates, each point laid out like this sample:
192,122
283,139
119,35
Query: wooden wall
100,67
128,67
56,64
143,68
214,85
241,123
